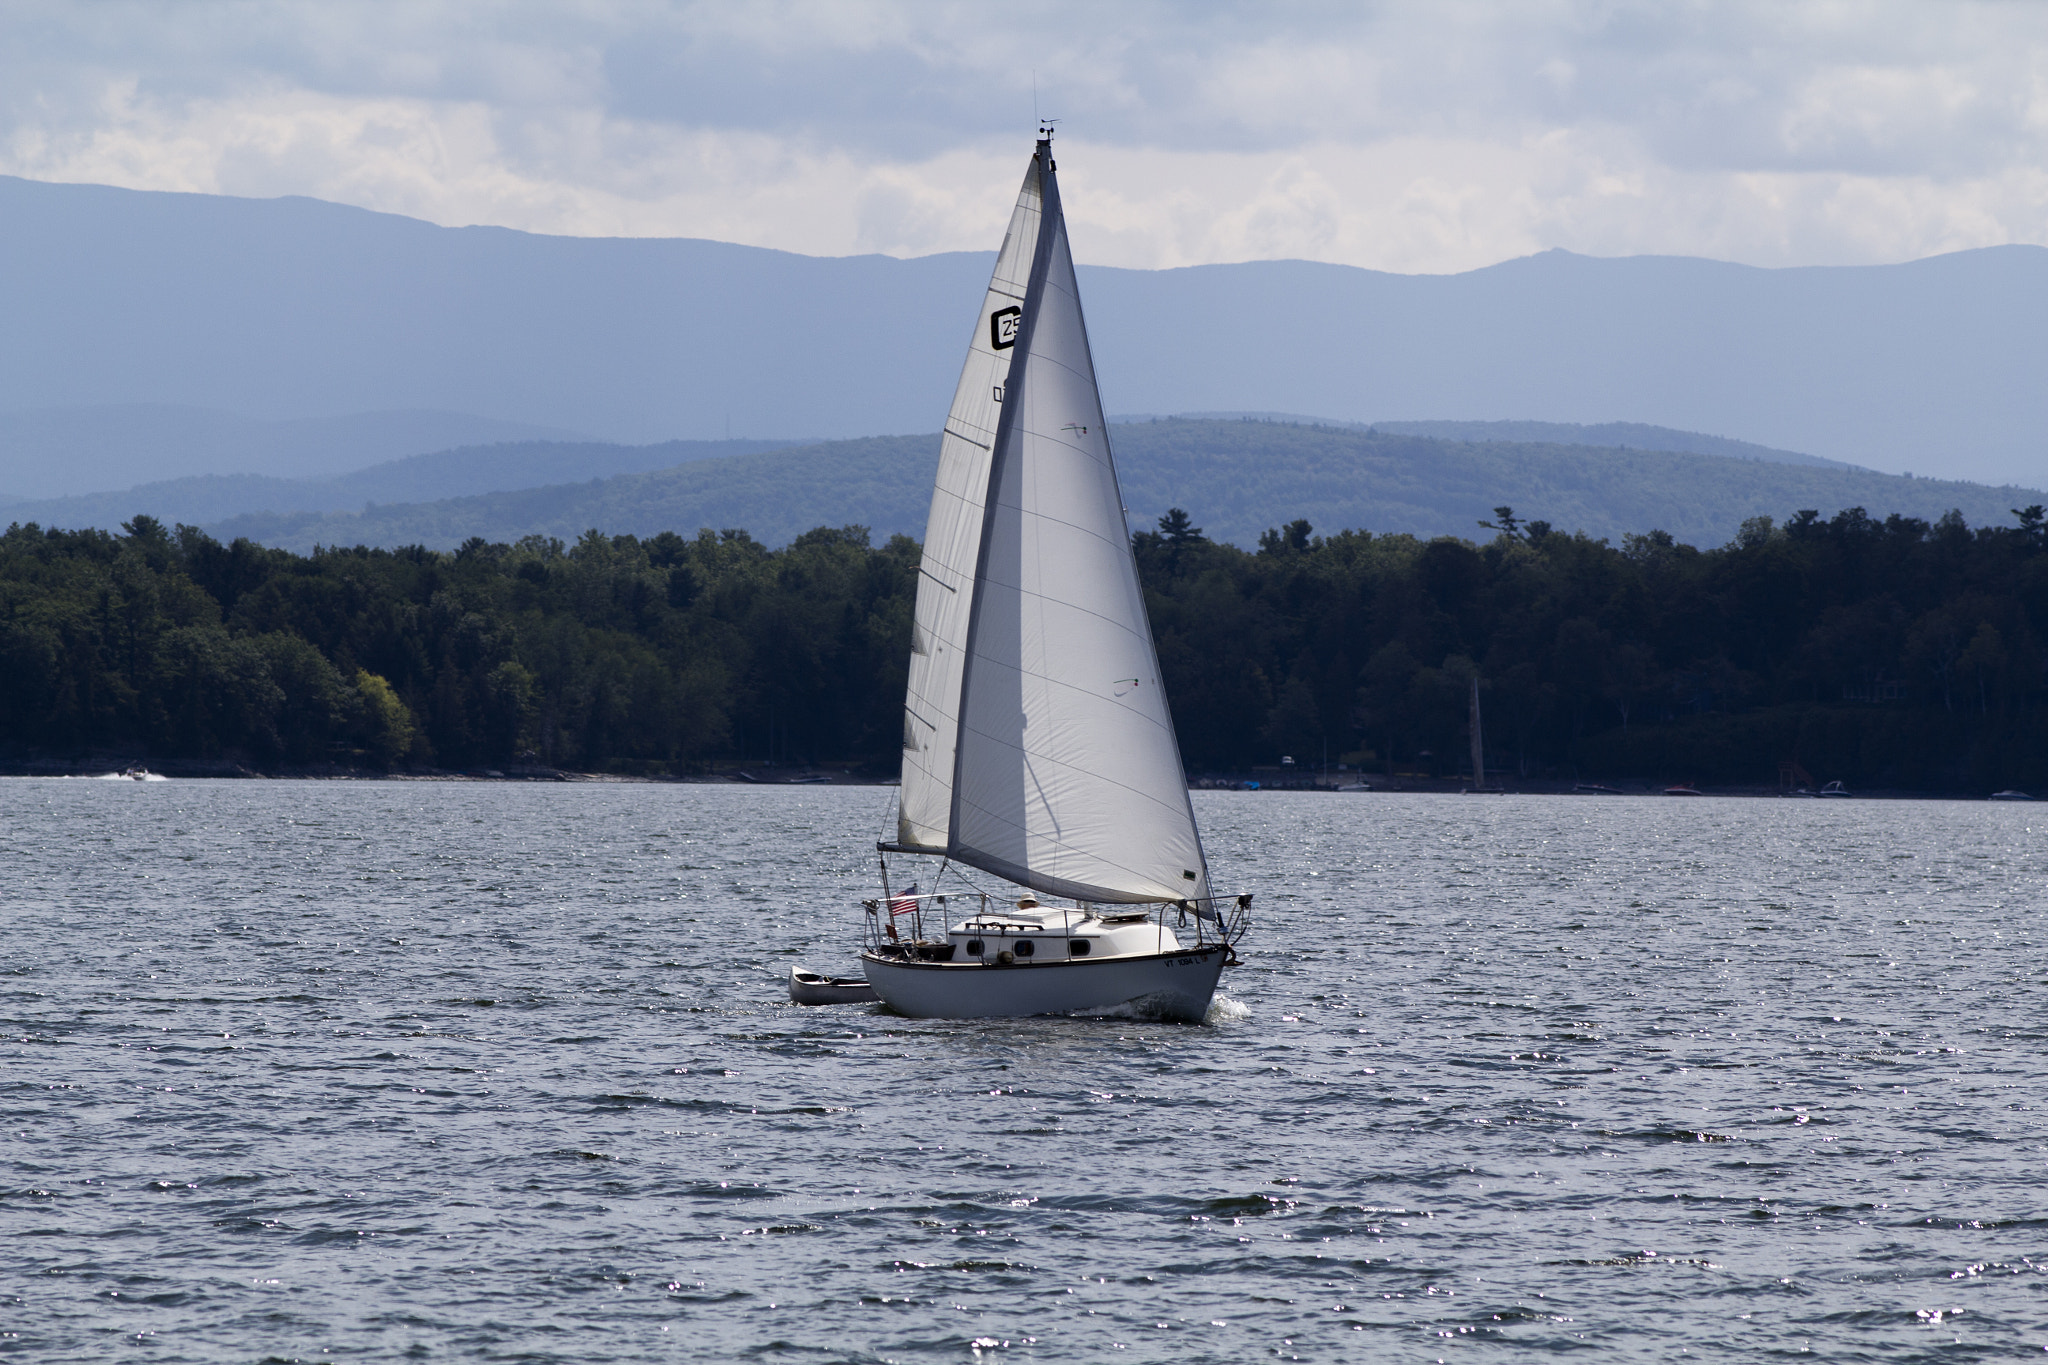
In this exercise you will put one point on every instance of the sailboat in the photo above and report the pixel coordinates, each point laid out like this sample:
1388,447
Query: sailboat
1037,746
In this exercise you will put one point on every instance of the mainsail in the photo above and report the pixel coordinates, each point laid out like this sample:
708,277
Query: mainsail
952,540
1066,776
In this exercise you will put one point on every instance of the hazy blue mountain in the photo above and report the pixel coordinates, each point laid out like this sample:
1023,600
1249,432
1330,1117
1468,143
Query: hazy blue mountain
883,482
1633,435
1237,478
443,474
1932,365
200,499
290,308
527,464
58,452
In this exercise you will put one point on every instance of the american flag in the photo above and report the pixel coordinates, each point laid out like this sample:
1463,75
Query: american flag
903,902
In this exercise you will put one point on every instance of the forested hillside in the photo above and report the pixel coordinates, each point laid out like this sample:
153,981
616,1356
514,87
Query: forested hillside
1636,435
1249,474
1895,652
57,452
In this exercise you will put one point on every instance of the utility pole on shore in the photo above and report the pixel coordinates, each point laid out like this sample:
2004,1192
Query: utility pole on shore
1478,746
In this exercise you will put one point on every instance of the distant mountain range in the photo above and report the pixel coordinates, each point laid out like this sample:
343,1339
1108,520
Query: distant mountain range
291,309
464,471
63,452
511,466
1237,478
1627,435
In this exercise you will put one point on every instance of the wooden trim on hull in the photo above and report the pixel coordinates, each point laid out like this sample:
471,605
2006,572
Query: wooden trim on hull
1175,985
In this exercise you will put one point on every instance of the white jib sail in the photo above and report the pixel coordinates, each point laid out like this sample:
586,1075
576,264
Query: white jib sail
952,538
1068,779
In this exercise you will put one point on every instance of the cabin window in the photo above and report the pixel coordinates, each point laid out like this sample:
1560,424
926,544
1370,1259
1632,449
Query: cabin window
1025,947
1077,947
974,947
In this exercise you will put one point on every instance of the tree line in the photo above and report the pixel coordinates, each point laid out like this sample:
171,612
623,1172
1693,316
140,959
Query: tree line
1896,653
1900,652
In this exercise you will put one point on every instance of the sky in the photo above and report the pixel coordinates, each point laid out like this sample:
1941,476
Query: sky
1421,138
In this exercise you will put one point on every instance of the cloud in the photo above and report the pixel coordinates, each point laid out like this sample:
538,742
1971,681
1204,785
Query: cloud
1414,137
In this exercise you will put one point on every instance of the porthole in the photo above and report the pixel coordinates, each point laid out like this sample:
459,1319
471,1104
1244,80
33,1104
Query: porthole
974,947
1025,947
1077,947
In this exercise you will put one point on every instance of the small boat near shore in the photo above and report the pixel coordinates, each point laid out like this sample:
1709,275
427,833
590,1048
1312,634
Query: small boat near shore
2010,795
1682,789
807,987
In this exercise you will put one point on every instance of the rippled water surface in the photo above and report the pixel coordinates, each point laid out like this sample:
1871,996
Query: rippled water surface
326,1071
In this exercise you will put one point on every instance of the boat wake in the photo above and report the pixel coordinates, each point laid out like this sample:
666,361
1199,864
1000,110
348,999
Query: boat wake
1224,1010
1152,1009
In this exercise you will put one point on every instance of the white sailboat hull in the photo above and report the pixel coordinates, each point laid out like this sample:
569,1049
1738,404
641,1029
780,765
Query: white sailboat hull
1177,985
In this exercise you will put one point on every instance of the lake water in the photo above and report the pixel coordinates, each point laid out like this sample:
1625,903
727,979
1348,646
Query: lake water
332,1071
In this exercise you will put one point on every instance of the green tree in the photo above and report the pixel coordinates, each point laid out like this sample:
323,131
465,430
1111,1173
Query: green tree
389,730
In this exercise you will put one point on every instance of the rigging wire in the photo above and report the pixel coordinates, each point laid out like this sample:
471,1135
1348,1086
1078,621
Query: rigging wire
887,801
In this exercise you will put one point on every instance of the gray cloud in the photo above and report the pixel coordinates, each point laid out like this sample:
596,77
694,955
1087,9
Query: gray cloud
1406,136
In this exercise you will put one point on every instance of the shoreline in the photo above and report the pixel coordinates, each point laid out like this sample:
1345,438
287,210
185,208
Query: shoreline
230,770
109,767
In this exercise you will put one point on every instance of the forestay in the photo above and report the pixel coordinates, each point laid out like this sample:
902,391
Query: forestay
952,542
1067,778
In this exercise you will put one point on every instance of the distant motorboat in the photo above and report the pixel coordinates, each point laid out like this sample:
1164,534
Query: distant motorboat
2010,795
1595,789
1353,787
1835,789
1682,789
135,774
807,987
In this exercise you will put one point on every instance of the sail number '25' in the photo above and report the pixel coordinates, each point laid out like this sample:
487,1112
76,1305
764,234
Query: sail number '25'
1002,327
